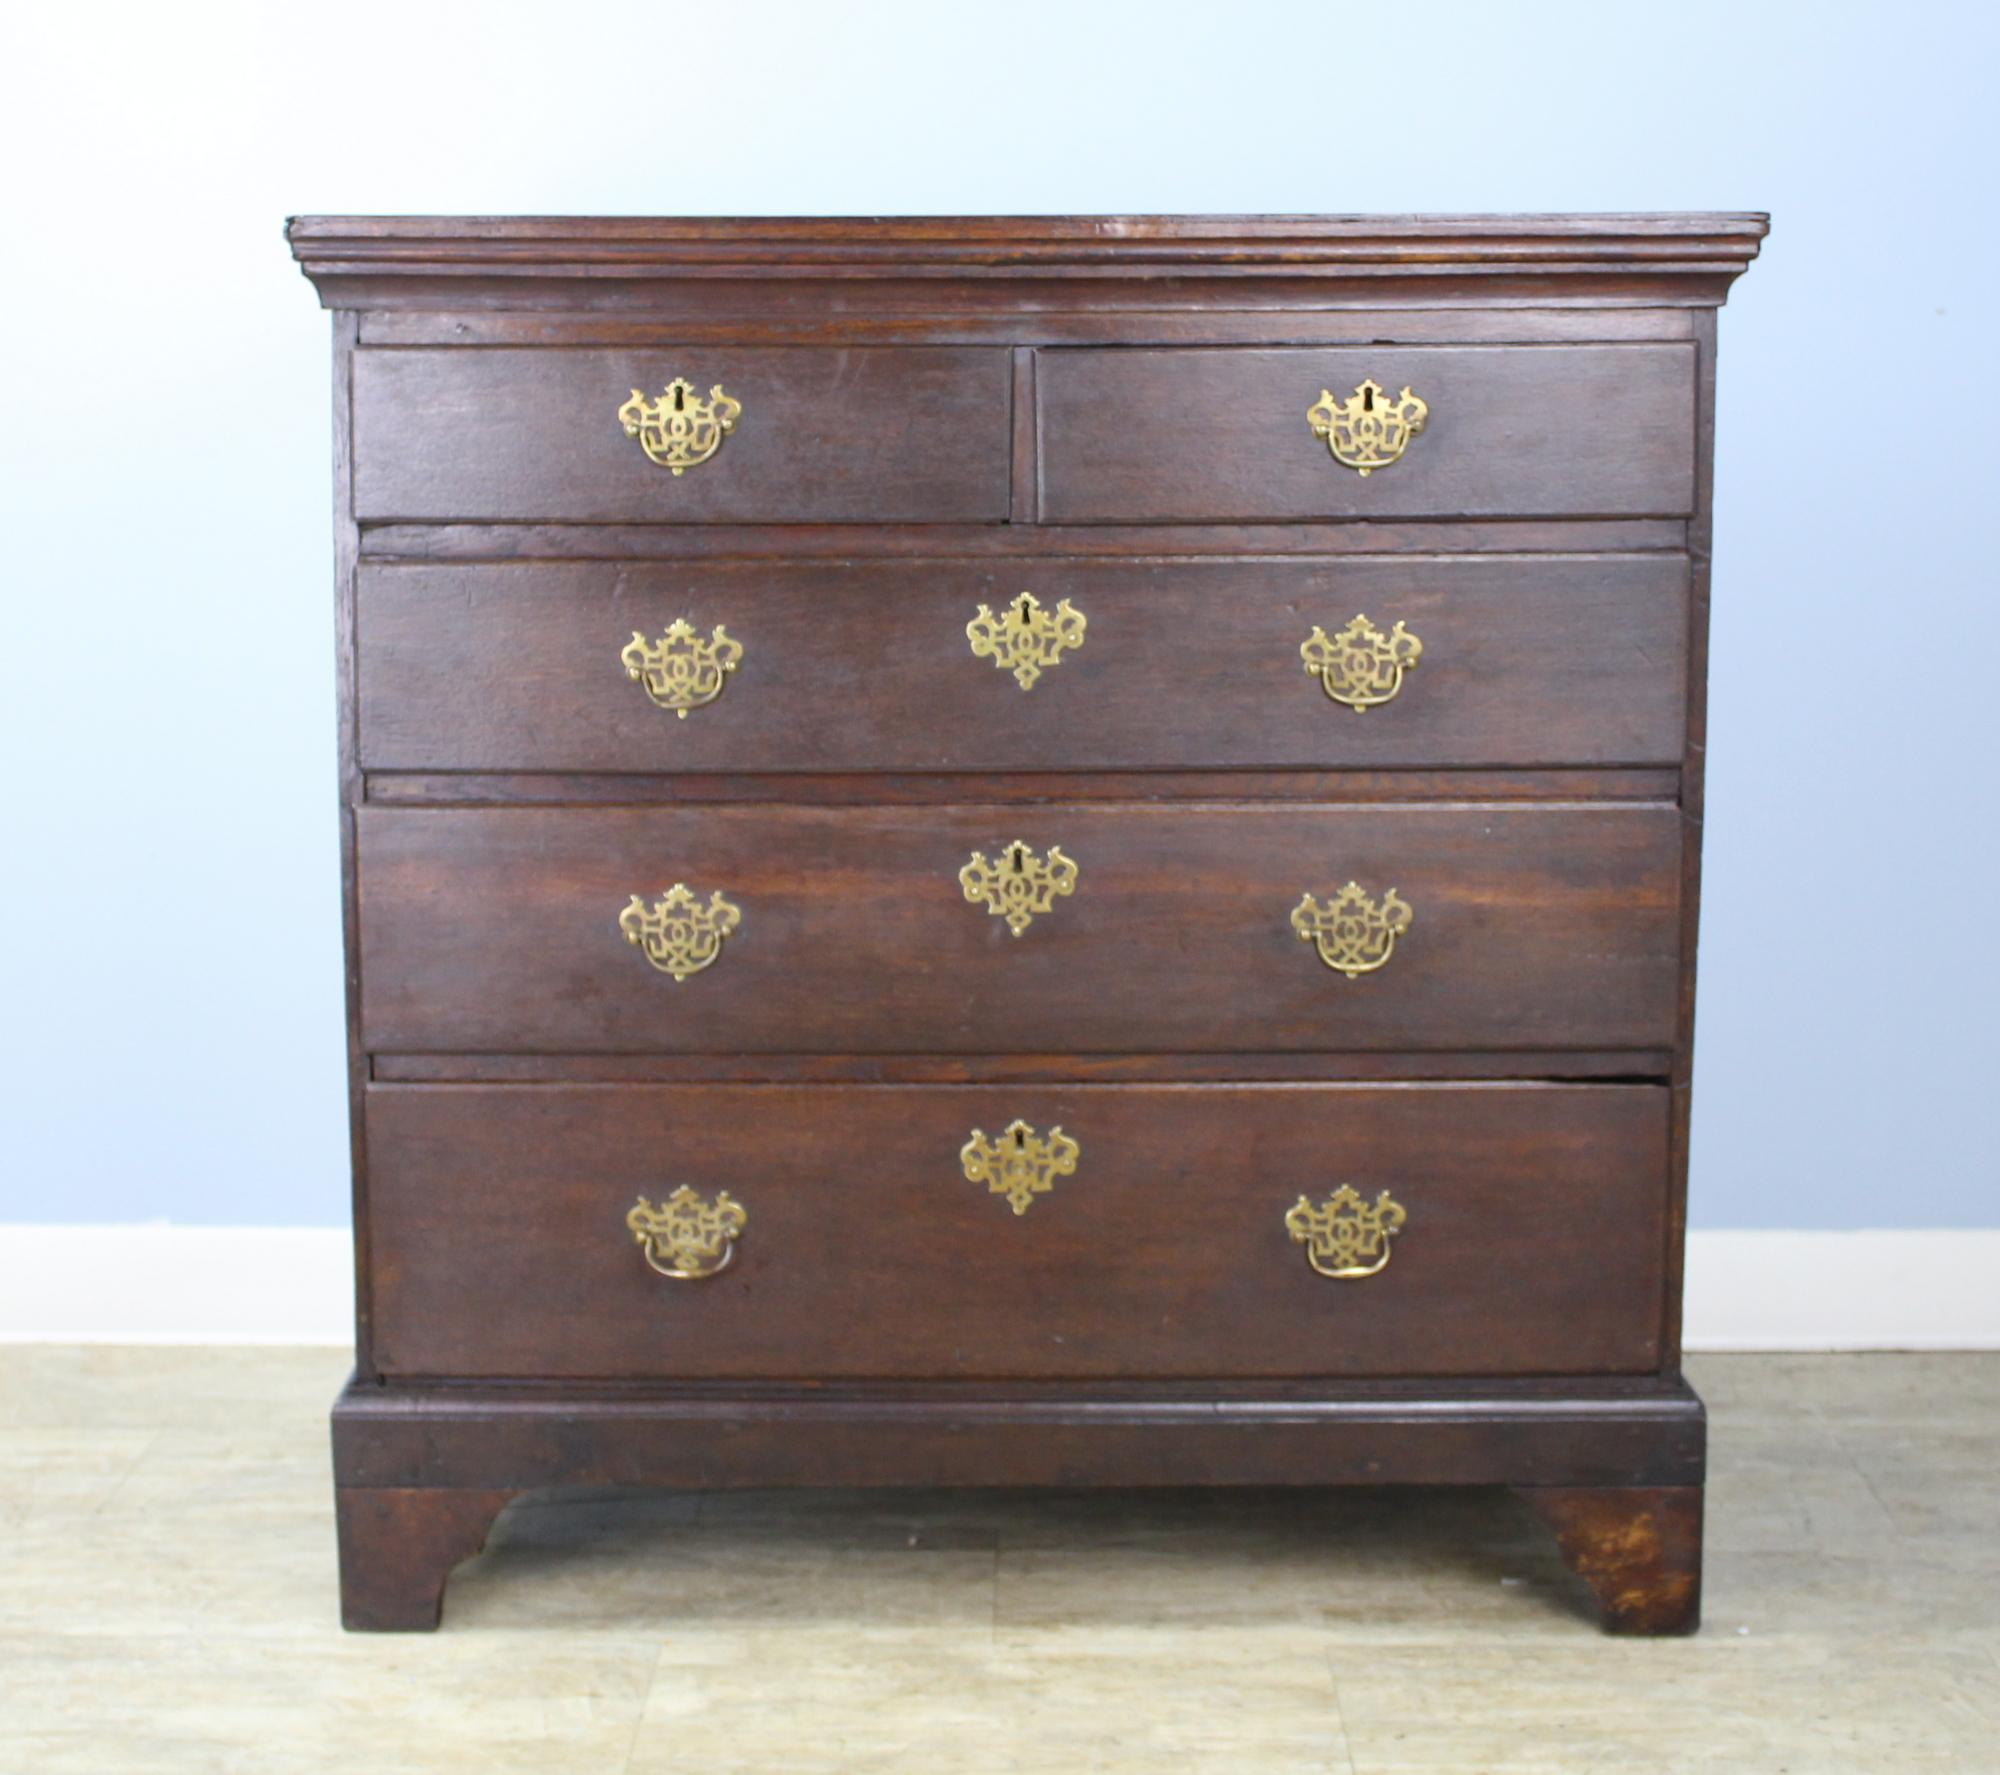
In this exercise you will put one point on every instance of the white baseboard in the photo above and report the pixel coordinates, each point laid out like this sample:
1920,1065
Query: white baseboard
176,1285
1906,1288
1899,1290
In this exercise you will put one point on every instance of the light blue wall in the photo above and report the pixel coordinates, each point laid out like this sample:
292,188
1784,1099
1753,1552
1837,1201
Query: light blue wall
172,1043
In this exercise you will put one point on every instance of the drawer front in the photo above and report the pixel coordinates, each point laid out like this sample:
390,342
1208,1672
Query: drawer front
850,930
1476,661
1530,1236
1220,435
831,436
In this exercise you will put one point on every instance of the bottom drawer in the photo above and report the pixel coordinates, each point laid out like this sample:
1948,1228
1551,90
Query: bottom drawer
1531,1236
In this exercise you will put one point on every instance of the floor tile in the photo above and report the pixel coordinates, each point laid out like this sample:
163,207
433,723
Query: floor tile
66,1470
1938,1489
1670,1707
1924,1389
170,1573
229,1703
1781,1489
812,1702
1865,1594
126,1386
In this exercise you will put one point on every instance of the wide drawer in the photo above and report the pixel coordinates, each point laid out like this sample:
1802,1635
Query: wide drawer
1459,660
850,930
1218,435
880,435
1523,1231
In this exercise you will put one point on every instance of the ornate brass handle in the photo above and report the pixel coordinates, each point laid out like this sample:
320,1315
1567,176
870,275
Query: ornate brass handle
1367,431
1021,1164
687,1237
678,934
1019,885
1360,667
1352,933
681,671
680,429
1345,1238
1027,639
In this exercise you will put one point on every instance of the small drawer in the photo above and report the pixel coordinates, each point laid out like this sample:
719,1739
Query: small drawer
1113,929
1124,1232
883,435
1044,665
1229,435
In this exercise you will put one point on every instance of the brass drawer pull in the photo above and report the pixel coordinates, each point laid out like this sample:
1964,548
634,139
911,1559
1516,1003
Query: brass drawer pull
1360,667
1021,1164
1027,639
680,430
687,1237
1019,885
1367,431
681,671
678,934
1344,1237
1352,933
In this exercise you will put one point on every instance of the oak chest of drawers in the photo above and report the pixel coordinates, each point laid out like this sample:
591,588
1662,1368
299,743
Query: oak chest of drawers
1021,852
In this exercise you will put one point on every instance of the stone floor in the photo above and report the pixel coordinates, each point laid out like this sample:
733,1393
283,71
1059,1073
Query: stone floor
167,1605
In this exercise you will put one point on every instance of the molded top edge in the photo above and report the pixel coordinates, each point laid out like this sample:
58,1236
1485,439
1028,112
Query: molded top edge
366,260
1748,223
915,240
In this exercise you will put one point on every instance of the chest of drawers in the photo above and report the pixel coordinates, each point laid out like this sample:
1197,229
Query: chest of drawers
1021,852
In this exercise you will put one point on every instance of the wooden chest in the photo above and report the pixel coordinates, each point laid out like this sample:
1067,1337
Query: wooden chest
1021,852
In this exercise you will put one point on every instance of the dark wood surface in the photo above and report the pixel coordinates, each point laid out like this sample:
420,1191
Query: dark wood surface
397,1547
740,269
495,929
825,436
1532,1244
1572,1065
566,247
1586,1431
1016,541
1637,1548
352,789
934,410
426,1467
1014,789
1024,329
1220,436
865,666
1694,776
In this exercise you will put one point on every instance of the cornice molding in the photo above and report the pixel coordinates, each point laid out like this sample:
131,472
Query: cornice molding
377,261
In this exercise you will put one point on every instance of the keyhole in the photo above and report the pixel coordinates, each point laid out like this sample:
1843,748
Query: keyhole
1016,854
1368,400
1020,1139
680,400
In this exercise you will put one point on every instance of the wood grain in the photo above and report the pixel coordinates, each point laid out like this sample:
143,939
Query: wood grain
1532,1245
1220,436
1210,324
1638,1548
826,436
495,929
1527,662
938,412
932,788
741,269
1016,541
1620,1065
1609,1431
398,1546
